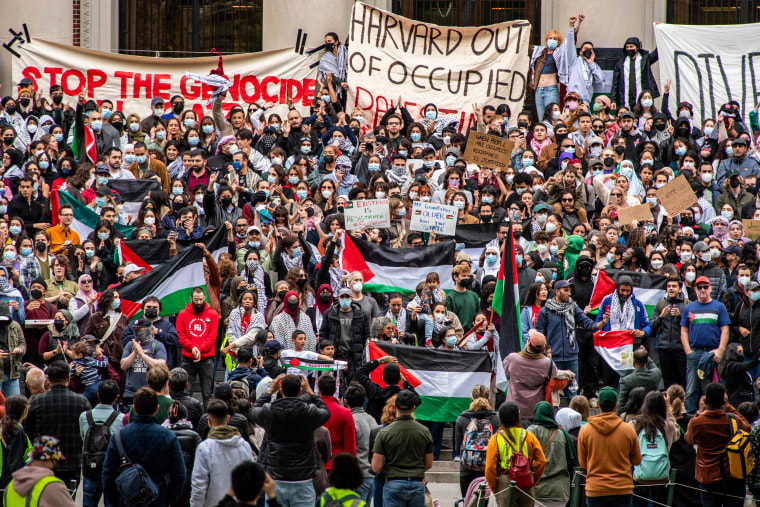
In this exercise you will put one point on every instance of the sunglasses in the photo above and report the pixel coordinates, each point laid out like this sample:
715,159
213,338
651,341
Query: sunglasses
570,200
86,281
703,287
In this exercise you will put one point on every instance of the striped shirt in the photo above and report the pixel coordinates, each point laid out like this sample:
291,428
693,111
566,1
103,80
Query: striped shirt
90,373
704,322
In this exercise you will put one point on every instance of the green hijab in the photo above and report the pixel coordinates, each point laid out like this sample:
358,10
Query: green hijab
543,415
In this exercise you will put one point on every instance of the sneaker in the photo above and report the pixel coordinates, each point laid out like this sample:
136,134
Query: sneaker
594,403
457,459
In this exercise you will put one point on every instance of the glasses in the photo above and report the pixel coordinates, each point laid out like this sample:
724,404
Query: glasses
703,287
86,281
570,200
617,195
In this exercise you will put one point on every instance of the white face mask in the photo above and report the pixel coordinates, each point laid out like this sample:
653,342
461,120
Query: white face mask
706,256
542,249
706,177
550,227
743,280
357,287
690,276
685,256
440,317
657,263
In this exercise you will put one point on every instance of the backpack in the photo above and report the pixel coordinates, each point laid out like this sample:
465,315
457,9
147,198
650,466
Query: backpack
95,445
134,484
519,465
474,443
328,501
739,461
655,463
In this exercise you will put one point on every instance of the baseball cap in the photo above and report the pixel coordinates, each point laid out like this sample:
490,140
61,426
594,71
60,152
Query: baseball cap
156,101
594,161
142,323
344,291
561,284
406,400
253,228
463,257
540,206
702,279
272,347
607,395
133,268
104,191
102,168
627,114
700,246
732,249
752,286
595,140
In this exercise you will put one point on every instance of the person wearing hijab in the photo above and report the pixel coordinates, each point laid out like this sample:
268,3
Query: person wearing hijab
491,263
323,303
133,128
554,488
11,297
567,260
12,161
292,318
84,302
570,421
55,344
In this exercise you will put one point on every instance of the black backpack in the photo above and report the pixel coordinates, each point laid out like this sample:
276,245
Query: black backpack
96,444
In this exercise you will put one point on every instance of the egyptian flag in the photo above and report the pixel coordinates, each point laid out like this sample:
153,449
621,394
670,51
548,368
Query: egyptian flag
506,301
648,288
443,378
616,348
171,282
397,269
149,253
85,219
134,193
476,237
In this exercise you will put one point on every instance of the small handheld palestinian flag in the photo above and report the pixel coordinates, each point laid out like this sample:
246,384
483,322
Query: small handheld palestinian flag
314,364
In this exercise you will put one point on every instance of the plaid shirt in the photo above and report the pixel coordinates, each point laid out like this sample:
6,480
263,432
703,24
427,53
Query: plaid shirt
30,270
56,413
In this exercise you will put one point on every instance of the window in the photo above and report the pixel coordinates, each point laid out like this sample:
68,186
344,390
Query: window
713,12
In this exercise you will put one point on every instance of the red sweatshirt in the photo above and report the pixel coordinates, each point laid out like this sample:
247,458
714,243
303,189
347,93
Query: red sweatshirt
197,330
341,427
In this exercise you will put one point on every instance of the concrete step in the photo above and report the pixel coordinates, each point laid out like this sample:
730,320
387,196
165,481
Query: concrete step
445,466
446,455
448,434
442,477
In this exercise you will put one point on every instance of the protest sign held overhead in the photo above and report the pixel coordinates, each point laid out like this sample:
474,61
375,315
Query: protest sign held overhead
629,214
488,151
367,213
677,194
392,57
438,218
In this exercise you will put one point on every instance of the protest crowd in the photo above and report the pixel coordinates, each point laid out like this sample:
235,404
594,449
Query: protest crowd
300,369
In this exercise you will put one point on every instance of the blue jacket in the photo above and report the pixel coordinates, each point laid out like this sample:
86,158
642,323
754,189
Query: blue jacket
525,323
155,448
744,167
640,322
552,325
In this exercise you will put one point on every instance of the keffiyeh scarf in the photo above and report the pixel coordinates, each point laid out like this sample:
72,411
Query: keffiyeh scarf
622,317
567,311
215,81
398,174
398,320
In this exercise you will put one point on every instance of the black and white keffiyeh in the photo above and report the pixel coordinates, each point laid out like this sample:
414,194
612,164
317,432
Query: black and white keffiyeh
567,311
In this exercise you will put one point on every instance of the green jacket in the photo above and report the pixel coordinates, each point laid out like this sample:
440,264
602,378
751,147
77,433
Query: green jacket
555,481
15,340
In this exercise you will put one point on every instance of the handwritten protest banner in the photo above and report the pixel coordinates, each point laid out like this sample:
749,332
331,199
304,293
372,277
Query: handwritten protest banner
131,81
640,213
392,57
367,213
751,228
487,150
677,195
709,66
438,218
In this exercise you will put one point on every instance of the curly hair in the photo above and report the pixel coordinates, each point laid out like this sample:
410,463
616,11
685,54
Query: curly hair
389,411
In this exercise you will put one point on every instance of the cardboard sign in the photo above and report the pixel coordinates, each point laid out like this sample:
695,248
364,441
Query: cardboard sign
367,213
488,151
640,213
438,218
676,196
751,228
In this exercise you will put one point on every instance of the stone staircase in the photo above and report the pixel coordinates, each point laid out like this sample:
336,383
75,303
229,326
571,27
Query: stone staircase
444,470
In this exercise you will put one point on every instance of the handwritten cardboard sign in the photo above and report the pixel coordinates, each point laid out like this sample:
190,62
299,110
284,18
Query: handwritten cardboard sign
367,213
488,151
677,196
641,213
751,228
438,218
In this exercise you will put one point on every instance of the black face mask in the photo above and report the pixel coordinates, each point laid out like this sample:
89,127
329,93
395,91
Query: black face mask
292,305
660,126
522,124
517,234
8,140
24,102
630,53
598,132
281,294
609,161
178,107
558,138
41,246
36,293
57,99
619,149
198,308
585,271
329,46
117,125
226,201
734,183
329,159
381,139
12,109
355,130
466,282
301,282
687,222
318,125
325,297
682,132
176,206
151,313
486,218
59,325
340,209
586,53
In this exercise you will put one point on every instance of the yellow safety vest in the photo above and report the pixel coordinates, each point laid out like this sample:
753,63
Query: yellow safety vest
13,499
505,450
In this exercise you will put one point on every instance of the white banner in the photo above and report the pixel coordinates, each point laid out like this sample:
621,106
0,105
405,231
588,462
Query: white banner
367,213
437,218
391,56
131,81
709,66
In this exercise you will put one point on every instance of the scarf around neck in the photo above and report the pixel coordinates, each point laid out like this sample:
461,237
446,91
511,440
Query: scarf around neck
567,311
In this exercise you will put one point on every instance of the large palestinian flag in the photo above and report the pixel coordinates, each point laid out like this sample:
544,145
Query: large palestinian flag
149,253
397,269
648,288
475,238
443,378
134,192
170,282
85,218
506,300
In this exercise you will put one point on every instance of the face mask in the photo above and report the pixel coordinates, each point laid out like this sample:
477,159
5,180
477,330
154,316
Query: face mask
401,212
609,161
149,221
88,253
705,256
36,293
130,158
714,253
116,303
141,159
520,190
491,259
15,229
597,172
553,249
657,263
24,101
207,129
9,256
690,276
36,187
103,236
743,280
296,253
451,341
429,163
556,115
527,162
459,204
550,227
11,109
430,115
610,258
619,149
450,160
100,201
652,201
551,44
329,159
199,198
572,105
564,164
96,125
380,195
728,215
425,198
373,167
542,249
754,296
134,127
630,53
276,127
302,194
58,137
193,141
510,179
59,325
647,102
541,218
416,136
729,151
357,287
57,99
680,151
345,303
518,260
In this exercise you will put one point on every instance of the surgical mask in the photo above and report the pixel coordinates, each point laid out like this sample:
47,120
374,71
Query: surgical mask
553,249
416,136
728,215
451,341
487,199
527,162
276,127
189,123
345,303
596,151
429,163
729,151
430,115
293,180
491,259
199,198
277,160
425,198
15,229
404,153
130,158
564,164
254,244
102,180
88,253
141,159
27,251
597,172
100,201
297,252
149,221
373,167
539,279
707,131
134,127
103,236
450,160
177,190
647,102
680,151
9,256
518,259
413,196
520,190
116,303
652,201
690,276
647,162
459,204
326,98
272,180
743,280
447,140
193,141
715,253
380,195
610,258
551,44
96,125
58,137
160,135
657,263
755,296
207,129
550,227
302,194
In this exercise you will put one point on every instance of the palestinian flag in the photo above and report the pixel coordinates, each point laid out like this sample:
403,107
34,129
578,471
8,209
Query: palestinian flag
616,348
149,253
475,238
313,364
85,218
506,301
397,269
170,282
134,193
90,146
443,378
648,288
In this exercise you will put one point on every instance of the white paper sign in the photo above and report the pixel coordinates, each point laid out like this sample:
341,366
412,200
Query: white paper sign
367,213
438,218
